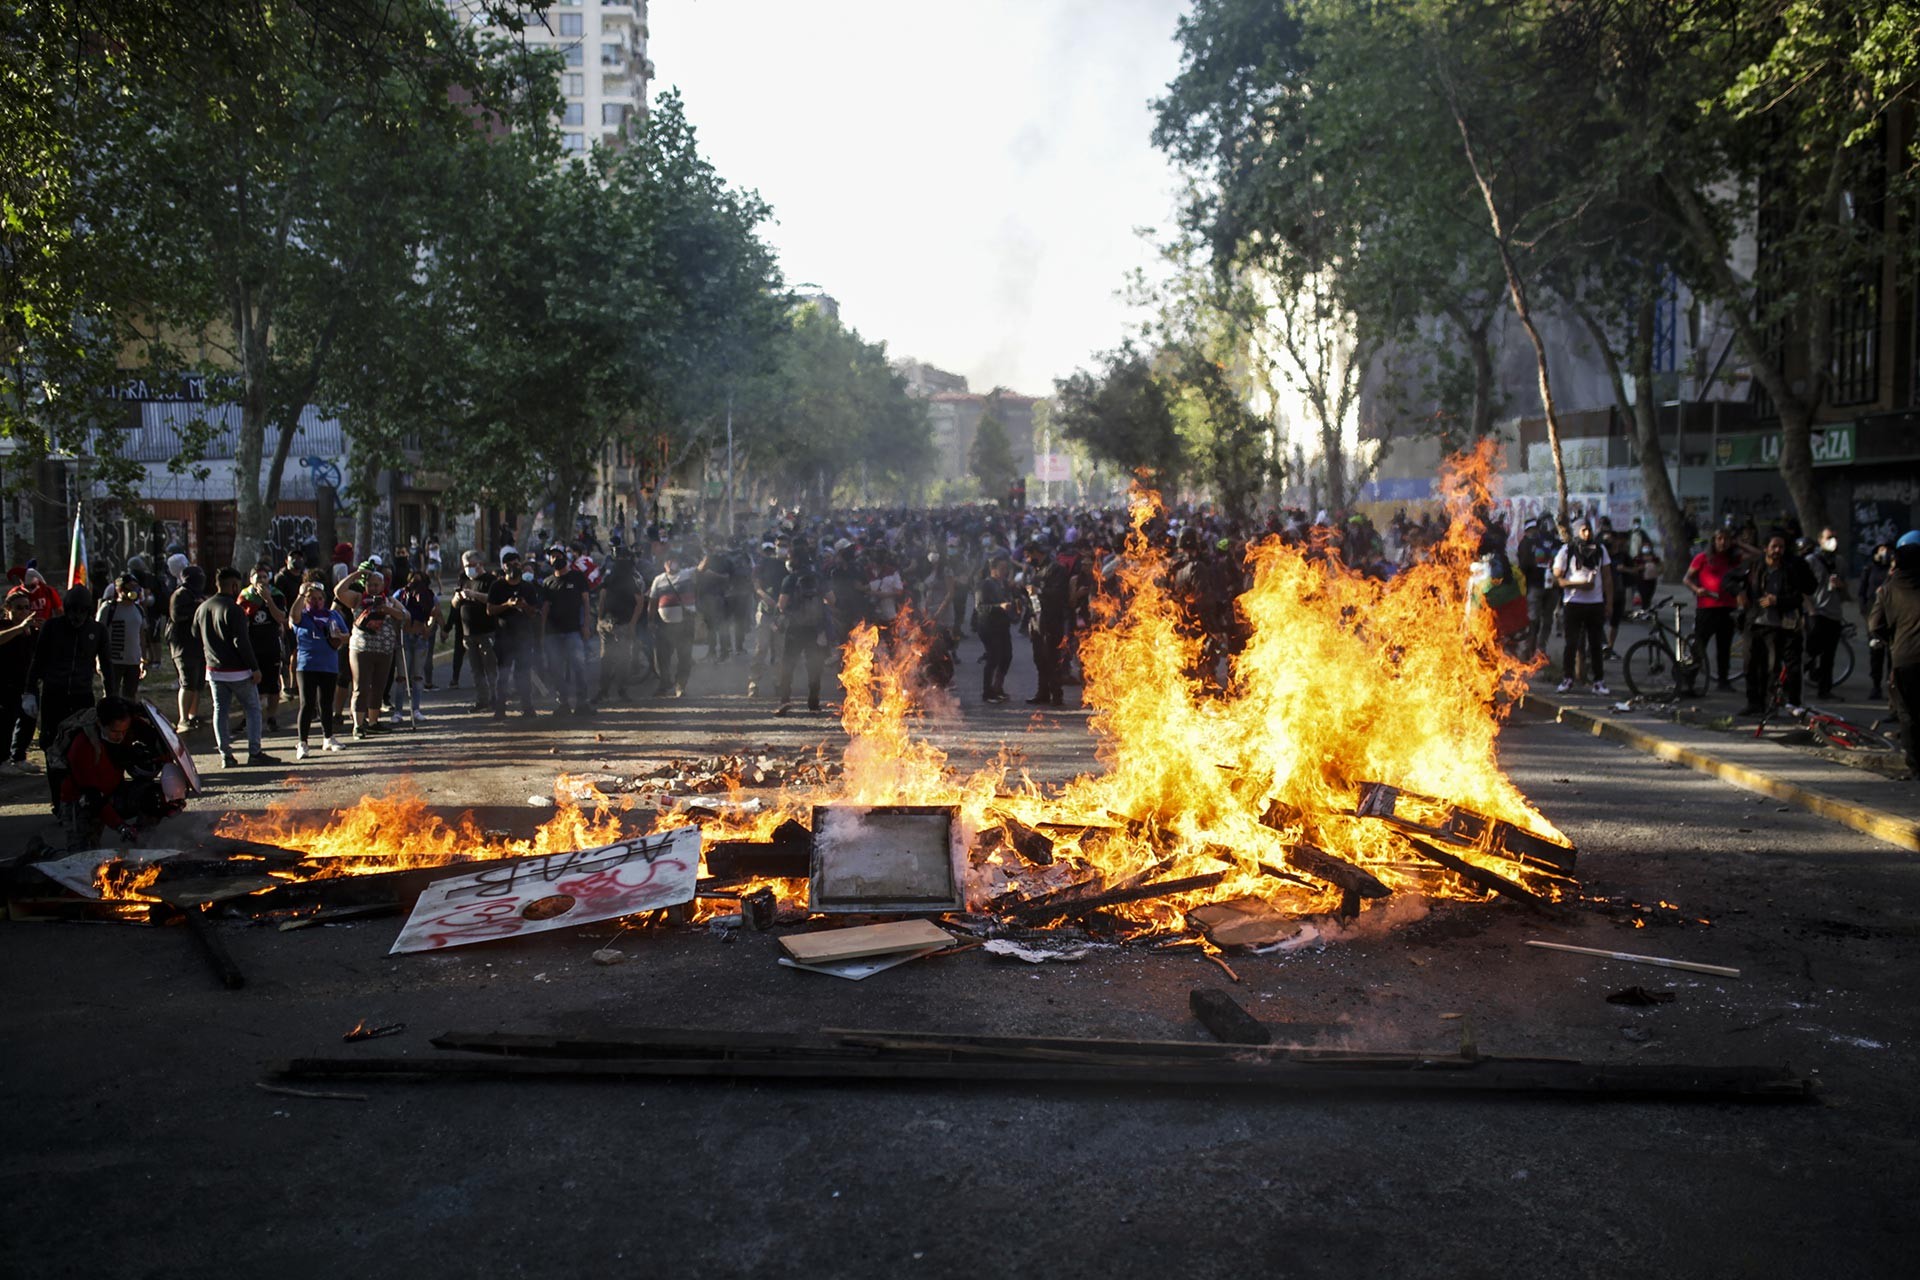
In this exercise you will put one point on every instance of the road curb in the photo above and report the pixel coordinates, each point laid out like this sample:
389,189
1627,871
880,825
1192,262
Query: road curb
1901,832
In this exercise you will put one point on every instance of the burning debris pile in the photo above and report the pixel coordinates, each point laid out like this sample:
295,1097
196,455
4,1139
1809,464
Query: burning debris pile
1347,757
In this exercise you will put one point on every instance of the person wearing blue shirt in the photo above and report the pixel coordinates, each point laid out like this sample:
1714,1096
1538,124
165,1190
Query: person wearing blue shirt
319,630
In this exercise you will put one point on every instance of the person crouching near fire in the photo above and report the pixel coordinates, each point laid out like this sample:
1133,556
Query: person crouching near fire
104,768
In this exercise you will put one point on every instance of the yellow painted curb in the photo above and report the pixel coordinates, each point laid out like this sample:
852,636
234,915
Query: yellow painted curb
1878,823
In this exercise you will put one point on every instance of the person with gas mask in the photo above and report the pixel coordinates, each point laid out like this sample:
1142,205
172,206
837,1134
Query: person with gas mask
1894,624
1584,573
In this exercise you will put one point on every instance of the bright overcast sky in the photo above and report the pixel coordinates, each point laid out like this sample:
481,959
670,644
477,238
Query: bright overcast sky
964,178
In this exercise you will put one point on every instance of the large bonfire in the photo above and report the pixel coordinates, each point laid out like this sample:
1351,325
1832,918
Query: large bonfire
1343,680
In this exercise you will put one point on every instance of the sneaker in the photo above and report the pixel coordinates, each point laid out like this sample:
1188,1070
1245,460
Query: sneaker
1600,687
273,725
183,726
1565,686
418,719
229,761
783,709
261,757
360,734
300,751
331,744
430,686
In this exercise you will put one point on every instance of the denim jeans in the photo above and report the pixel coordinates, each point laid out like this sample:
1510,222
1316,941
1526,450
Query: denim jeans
419,664
567,667
225,694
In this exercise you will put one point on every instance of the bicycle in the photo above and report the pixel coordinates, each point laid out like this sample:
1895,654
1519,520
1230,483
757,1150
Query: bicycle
1842,655
1667,664
1828,729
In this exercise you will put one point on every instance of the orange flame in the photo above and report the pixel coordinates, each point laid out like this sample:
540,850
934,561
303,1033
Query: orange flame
1341,679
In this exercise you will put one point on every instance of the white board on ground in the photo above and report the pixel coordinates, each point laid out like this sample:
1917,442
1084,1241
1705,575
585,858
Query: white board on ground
558,891
858,969
76,871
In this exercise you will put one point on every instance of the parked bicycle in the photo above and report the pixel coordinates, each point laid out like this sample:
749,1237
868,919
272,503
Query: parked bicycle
1666,665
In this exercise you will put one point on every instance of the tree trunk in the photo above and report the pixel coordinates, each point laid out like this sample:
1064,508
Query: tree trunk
1643,416
366,474
249,446
1796,411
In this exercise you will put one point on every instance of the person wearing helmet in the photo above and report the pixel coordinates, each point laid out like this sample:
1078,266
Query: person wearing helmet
1894,624
1777,591
1829,604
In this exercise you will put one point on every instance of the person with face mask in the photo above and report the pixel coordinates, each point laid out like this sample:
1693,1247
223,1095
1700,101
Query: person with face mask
1894,625
1584,573
1829,610
1872,578
514,603
805,609
1777,591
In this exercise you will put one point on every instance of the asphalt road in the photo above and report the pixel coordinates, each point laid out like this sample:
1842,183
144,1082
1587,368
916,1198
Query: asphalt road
134,1143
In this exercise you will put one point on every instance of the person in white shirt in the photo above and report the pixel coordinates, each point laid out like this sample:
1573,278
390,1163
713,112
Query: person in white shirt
1584,574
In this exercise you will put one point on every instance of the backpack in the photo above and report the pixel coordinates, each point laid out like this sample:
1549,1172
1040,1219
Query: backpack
806,611
180,609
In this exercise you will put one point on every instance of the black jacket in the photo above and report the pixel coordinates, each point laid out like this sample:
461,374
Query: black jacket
71,649
1896,619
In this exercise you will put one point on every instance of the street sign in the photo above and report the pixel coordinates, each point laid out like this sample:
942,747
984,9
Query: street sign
1756,450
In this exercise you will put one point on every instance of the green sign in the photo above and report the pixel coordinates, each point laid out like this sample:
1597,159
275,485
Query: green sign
1754,450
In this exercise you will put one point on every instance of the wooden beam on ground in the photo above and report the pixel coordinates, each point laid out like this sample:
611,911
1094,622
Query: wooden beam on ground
1273,1076
218,957
1220,1014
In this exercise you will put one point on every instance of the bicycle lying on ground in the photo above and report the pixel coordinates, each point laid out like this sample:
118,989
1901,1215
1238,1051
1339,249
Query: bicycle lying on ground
1665,665
1828,730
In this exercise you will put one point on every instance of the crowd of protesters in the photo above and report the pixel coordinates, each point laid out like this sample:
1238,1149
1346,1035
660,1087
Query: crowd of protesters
345,645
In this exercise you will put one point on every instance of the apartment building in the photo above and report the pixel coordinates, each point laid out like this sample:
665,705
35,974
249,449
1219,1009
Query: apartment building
603,44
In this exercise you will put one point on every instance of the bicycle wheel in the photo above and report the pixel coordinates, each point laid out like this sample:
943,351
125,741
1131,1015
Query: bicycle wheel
1649,670
1834,732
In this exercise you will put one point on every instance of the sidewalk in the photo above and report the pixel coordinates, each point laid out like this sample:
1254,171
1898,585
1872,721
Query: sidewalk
1867,802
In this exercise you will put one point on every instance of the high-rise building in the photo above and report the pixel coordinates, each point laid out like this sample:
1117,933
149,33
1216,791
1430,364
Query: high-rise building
604,79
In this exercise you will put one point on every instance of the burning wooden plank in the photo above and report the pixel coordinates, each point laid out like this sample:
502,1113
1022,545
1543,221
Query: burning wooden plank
1353,883
1050,907
1479,877
1464,827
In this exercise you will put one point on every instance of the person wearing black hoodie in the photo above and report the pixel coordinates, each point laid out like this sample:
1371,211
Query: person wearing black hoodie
73,646
189,659
1895,624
